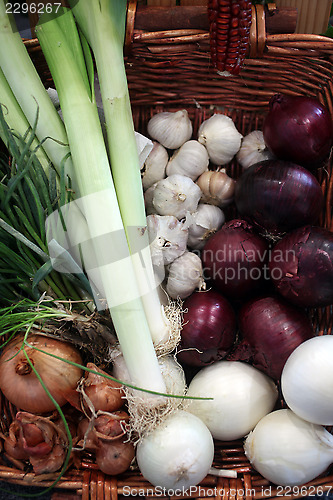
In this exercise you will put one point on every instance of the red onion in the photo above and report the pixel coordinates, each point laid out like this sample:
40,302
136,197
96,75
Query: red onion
234,259
298,129
278,196
271,329
301,267
209,329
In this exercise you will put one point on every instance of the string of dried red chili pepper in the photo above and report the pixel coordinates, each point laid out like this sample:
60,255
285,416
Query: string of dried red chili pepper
230,23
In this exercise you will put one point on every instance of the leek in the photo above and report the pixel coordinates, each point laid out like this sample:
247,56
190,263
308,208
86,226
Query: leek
103,24
30,93
17,121
99,203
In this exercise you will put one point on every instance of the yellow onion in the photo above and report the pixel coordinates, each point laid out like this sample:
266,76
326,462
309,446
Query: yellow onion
19,383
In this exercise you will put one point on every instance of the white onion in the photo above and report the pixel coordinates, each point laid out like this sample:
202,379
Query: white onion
241,394
307,380
178,453
287,450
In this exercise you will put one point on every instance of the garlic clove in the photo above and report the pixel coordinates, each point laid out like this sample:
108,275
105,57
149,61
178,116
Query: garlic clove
217,188
191,159
168,238
185,275
176,195
202,224
221,138
154,167
253,149
171,129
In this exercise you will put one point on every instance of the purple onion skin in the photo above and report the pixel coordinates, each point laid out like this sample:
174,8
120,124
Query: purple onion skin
235,260
278,196
298,129
270,329
301,267
209,327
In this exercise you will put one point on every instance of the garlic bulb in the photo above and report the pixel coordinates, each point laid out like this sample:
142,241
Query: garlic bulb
202,224
221,138
168,238
253,149
287,450
185,276
176,195
191,159
217,188
154,167
170,129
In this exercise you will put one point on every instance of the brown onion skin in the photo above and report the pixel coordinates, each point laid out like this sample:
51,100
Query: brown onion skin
209,329
234,260
270,330
298,129
24,390
278,196
301,267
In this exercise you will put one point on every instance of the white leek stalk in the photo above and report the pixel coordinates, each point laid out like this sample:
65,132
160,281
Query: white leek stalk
103,24
99,202
30,92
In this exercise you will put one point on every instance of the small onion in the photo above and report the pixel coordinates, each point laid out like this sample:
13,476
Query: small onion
271,329
241,396
209,329
306,380
234,259
19,383
287,450
278,196
301,266
298,129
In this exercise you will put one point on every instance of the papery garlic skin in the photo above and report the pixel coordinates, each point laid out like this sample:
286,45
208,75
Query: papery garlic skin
178,453
287,450
176,195
168,238
217,187
154,167
148,197
171,129
191,159
221,138
202,224
253,149
185,275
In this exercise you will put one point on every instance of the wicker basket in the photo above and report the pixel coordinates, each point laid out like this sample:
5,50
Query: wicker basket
170,70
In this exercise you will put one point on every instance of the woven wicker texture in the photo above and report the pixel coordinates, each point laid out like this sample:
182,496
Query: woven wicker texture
170,70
